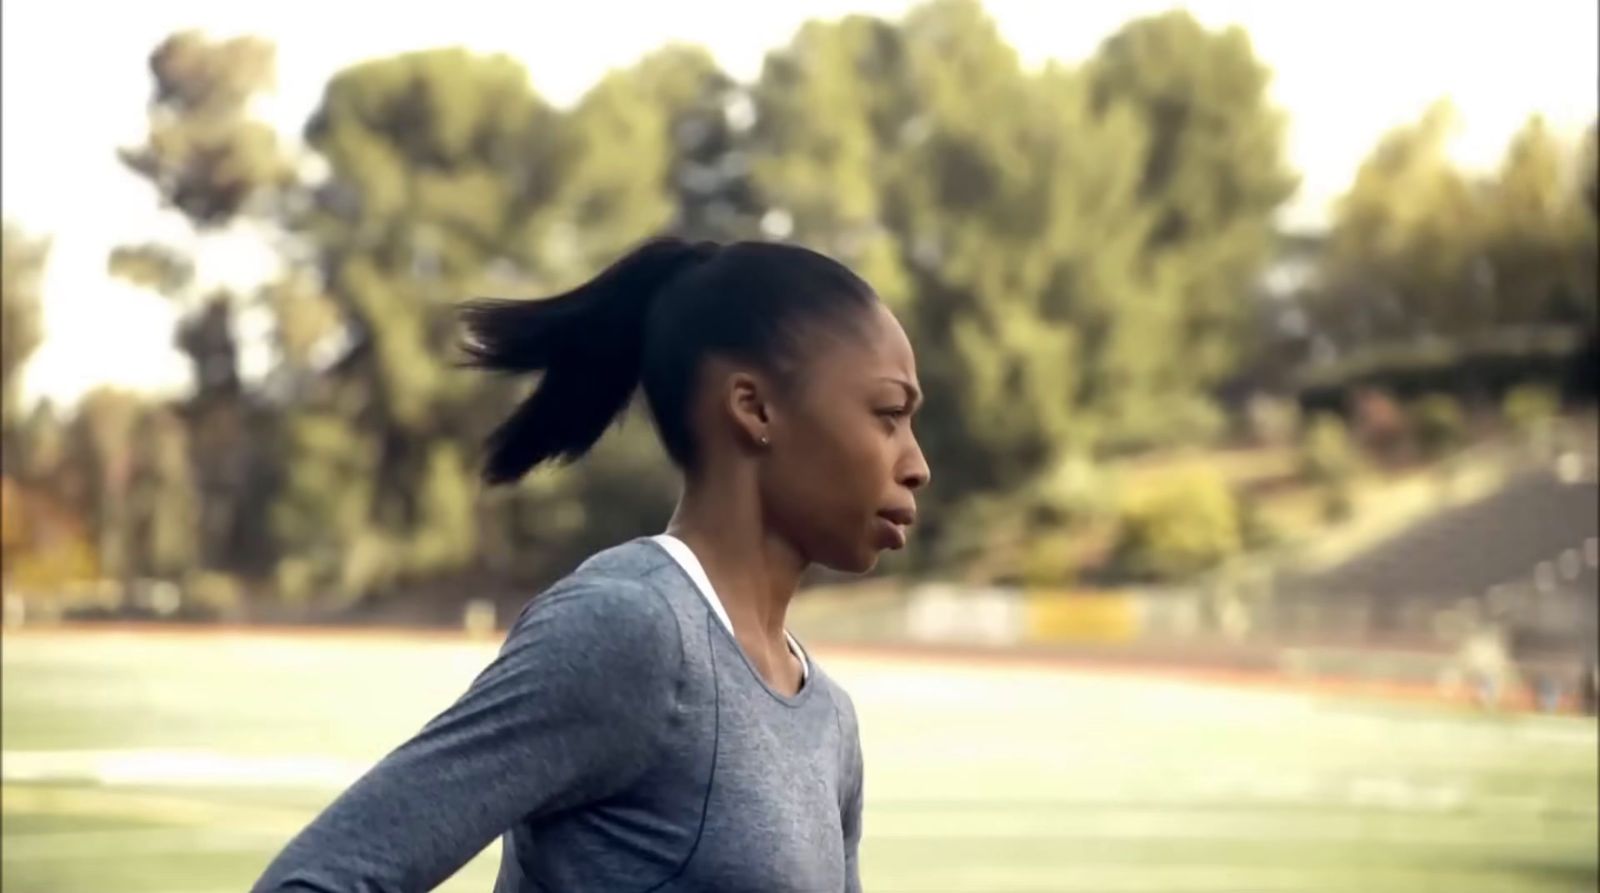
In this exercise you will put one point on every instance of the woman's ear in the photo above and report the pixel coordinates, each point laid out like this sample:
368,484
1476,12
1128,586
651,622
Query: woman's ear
748,405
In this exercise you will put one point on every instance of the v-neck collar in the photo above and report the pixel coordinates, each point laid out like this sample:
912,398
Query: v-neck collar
686,559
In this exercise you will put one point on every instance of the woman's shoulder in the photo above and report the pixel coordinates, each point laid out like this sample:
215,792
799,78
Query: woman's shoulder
844,707
612,594
636,560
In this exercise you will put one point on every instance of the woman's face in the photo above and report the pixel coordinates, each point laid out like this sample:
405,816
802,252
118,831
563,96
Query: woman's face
843,464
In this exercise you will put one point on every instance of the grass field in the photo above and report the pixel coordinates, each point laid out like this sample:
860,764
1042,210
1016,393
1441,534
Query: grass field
180,763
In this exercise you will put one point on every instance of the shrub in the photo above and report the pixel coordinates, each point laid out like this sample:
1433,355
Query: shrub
1182,525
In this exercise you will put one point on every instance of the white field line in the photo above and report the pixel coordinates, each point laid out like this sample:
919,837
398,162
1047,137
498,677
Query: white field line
177,768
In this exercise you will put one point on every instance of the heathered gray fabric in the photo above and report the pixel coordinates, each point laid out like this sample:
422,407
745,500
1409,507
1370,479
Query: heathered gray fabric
621,742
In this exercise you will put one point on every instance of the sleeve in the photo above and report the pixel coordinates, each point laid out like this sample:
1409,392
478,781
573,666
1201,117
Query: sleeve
572,710
850,815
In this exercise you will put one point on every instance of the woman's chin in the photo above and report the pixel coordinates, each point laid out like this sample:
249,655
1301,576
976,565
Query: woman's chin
859,563
869,561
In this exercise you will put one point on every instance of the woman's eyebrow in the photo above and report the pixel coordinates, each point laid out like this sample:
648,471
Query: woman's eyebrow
912,392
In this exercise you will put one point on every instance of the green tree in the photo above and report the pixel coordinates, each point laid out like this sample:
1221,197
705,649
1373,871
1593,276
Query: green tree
830,110
447,177
1018,212
971,207
1215,170
36,448
650,149
162,500
308,333
1419,249
1001,212
321,515
124,464
204,155
440,165
207,158
1541,245
101,442
708,116
1400,260
21,269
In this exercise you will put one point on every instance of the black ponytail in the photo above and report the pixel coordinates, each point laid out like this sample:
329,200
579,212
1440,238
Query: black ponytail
589,344
648,319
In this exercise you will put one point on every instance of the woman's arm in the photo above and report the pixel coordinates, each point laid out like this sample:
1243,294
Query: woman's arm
850,817
571,711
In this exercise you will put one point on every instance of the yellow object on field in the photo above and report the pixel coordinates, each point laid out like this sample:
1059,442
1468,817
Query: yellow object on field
1062,616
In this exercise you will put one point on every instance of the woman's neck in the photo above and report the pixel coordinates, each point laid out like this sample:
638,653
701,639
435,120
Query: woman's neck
754,573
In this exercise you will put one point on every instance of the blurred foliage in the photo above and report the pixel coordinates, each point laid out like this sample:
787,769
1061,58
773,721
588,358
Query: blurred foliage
1271,421
213,595
207,157
448,176
990,205
1187,522
203,154
1327,455
1048,560
437,162
1379,422
162,500
43,546
1052,256
1540,238
1531,408
1329,462
1257,529
831,112
1438,424
1215,171
1077,251
152,266
100,441
21,268
1420,249
35,450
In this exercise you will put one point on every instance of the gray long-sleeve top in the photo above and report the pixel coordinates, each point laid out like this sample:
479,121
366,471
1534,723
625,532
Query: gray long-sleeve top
621,741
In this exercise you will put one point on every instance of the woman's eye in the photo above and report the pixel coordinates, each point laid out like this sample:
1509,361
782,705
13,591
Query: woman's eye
898,412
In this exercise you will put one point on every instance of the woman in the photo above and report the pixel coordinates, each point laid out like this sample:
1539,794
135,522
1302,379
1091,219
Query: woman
649,724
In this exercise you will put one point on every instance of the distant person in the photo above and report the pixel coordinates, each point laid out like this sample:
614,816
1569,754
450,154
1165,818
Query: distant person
1486,658
1547,691
649,723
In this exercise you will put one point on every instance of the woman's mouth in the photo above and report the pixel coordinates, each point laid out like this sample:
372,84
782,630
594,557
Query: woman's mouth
891,535
893,527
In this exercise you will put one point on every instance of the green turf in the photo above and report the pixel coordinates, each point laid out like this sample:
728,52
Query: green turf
978,780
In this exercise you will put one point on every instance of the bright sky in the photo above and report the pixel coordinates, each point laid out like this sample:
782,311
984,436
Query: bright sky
75,82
